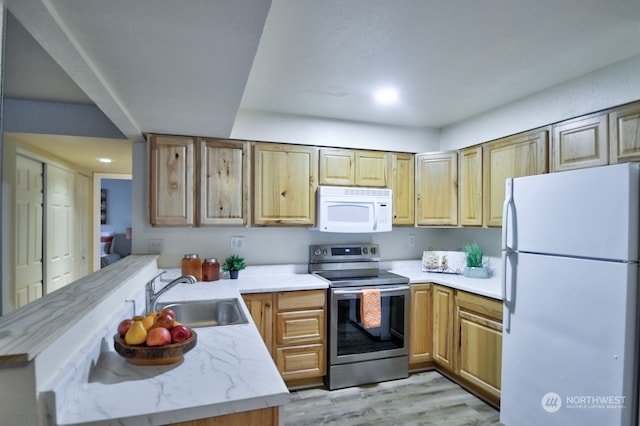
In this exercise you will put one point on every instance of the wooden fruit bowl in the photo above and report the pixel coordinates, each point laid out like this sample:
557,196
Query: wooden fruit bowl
154,355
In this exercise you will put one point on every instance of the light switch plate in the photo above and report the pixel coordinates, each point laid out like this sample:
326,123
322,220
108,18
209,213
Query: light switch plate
236,243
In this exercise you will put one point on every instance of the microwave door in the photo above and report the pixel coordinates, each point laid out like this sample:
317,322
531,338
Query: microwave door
347,217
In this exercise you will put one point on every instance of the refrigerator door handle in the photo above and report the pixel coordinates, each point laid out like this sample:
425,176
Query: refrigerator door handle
508,217
506,291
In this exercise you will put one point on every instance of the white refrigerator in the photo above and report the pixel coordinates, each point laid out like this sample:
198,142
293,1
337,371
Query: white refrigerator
570,291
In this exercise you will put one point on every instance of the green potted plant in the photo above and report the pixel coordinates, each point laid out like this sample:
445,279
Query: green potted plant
474,259
233,263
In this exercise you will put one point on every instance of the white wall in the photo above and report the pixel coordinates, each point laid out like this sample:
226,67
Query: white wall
262,126
57,118
611,86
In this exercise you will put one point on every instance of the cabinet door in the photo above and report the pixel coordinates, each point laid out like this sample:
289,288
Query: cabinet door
479,356
470,186
402,183
372,168
443,318
260,306
581,142
172,176
437,189
420,332
224,189
515,156
337,167
285,184
624,133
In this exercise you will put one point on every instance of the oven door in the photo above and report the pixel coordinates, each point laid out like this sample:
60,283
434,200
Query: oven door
350,341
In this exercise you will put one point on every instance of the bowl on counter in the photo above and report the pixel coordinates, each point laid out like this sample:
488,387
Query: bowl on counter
154,355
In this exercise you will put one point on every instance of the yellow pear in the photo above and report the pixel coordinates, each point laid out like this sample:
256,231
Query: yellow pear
149,320
137,334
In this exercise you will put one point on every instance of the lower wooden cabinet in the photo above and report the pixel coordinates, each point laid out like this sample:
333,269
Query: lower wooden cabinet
443,323
261,308
263,417
293,324
420,326
461,334
479,343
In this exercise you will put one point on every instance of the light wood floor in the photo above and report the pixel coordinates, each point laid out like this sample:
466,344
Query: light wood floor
422,399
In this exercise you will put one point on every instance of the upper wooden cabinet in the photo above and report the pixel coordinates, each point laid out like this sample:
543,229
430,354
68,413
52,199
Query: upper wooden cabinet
285,182
524,154
470,186
224,187
347,167
402,183
171,176
580,142
437,189
624,133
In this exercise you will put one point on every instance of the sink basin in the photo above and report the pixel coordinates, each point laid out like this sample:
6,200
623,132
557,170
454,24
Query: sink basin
207,313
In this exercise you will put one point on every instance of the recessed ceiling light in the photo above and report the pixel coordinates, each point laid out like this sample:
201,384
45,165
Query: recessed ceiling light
386,96
105,160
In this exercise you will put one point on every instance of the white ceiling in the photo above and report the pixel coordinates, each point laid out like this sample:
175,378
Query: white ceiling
188,67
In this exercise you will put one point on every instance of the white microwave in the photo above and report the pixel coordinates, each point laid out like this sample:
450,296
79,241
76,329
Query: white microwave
354,210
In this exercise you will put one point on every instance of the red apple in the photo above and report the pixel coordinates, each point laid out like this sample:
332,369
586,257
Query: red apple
165,320
167,311
180,333
158,336
123,327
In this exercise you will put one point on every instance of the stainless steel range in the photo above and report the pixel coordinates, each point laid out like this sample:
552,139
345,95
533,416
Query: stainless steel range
357,354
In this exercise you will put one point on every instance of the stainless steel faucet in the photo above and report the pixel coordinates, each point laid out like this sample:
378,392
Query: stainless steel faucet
152,297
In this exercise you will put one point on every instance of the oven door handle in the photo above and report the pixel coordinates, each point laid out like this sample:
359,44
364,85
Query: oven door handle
382,290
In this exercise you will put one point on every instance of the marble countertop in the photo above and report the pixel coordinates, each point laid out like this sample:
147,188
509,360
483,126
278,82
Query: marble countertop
259,279
228,371
489,287
255,279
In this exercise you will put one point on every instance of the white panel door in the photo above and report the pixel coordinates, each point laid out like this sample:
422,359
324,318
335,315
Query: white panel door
28,231
82,225
59,228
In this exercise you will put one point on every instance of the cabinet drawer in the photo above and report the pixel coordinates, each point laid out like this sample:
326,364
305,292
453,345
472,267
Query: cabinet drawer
297,300
483,305
299,362
293,328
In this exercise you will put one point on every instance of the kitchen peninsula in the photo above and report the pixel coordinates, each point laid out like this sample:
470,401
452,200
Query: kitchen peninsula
58,365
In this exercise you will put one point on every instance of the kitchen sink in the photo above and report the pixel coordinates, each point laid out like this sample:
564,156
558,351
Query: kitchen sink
207,313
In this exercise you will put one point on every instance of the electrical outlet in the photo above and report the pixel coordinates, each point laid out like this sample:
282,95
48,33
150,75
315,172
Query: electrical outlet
155,246
236,243
412,240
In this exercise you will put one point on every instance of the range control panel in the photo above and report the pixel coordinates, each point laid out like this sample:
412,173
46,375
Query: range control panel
344,253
